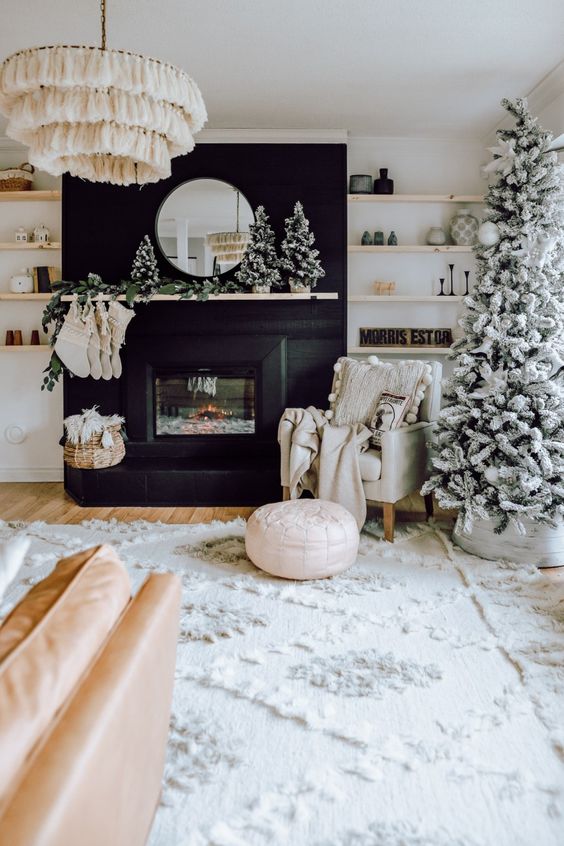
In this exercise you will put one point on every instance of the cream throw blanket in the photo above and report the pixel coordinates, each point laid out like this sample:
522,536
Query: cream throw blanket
324,459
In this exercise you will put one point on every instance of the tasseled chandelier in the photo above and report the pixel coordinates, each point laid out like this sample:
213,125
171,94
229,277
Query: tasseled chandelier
229,246
103,115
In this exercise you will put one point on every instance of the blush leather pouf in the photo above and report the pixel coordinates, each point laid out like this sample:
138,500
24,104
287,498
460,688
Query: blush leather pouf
302,539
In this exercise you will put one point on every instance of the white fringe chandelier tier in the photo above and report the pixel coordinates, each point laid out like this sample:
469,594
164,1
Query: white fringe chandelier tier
103,115
229,246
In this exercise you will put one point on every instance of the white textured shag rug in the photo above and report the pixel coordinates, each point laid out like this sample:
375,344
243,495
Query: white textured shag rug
415,700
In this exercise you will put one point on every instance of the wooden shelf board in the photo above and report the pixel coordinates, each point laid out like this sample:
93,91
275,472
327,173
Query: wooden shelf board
415,198
20,196
413,248
395,350
241,297
31,297
26,245
383,298
26,348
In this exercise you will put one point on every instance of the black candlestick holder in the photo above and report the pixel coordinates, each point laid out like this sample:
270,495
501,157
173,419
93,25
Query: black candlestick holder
442,284
451,269
466,275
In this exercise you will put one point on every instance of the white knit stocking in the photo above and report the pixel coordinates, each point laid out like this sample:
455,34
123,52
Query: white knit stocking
105,336
119,317
93,352
72,342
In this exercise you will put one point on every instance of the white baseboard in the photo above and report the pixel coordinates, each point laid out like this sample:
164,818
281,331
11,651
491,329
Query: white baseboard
31,474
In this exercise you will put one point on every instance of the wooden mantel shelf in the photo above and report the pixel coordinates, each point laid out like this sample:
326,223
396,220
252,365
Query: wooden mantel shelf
248,298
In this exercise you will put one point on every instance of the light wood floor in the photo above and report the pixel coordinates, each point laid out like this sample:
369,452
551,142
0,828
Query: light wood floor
47,501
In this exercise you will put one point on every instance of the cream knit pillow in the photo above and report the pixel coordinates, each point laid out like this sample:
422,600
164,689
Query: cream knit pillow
358,386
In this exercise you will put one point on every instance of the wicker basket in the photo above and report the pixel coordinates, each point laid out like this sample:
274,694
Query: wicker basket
92,455
17,178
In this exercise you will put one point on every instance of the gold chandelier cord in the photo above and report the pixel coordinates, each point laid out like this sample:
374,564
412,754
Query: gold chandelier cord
103,22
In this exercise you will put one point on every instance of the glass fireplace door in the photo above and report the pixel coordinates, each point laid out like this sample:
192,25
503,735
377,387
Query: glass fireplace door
205,402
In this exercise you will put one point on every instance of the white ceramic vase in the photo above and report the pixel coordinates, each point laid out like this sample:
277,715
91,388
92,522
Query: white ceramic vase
436,236
22,282
541,545
464,228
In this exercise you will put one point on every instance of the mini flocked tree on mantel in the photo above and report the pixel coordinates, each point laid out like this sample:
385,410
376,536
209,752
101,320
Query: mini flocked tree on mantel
145,277
299,257
500,438
259,266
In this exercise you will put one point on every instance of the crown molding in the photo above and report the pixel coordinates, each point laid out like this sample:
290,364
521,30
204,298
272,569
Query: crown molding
542,95
272,136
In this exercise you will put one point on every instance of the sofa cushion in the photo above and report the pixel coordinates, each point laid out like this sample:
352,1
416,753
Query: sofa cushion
12,554
370,465
48,642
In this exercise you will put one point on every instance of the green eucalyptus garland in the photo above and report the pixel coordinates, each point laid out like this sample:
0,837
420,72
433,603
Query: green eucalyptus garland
56,309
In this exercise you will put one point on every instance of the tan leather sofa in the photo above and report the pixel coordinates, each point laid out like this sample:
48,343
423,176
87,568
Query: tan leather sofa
86,677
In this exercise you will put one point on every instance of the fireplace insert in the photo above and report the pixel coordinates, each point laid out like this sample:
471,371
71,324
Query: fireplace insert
204,401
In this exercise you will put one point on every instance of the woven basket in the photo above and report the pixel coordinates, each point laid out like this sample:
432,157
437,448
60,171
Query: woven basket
17,178
92,455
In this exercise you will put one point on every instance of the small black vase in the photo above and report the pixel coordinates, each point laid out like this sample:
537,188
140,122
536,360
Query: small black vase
383,185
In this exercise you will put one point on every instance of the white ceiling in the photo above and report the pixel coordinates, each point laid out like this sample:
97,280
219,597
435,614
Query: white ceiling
424,68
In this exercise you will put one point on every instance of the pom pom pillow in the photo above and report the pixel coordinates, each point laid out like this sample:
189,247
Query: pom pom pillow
358,386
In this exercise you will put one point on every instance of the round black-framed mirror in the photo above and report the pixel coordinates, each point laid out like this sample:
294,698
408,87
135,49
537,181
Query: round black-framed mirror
202,227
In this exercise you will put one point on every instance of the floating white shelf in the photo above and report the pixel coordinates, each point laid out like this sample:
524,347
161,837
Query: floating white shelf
383,298
30,297
249,298
20,196
415,198
26,245
413,248
26,348
395,350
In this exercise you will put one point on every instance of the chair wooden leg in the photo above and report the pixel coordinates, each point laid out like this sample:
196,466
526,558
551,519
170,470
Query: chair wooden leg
285,494
429,505
389,520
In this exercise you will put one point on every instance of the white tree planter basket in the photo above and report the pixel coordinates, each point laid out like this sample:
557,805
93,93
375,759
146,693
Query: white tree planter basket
541,545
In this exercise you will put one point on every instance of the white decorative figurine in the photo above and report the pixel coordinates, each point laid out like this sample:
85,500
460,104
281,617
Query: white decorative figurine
21,235
41,234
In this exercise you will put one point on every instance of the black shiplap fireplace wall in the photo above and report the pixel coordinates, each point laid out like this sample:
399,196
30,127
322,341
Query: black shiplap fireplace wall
102,228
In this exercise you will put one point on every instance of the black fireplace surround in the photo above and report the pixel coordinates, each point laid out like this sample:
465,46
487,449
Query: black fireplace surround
285,349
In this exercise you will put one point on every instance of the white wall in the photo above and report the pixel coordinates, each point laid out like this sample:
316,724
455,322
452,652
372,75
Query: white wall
552,116
417,167
22,403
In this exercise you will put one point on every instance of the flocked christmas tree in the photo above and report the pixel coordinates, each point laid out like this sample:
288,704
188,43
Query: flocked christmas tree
500,438
144,272
299,257
259,267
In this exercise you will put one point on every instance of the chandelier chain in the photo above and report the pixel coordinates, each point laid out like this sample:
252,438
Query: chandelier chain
103,22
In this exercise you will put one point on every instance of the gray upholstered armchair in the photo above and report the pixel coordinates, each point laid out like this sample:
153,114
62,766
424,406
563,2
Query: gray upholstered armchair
399,468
